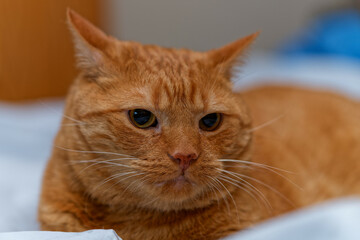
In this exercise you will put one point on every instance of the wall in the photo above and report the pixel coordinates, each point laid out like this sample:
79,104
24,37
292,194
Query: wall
205,24
36,56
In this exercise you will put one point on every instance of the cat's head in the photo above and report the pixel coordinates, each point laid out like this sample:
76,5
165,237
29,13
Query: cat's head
159,120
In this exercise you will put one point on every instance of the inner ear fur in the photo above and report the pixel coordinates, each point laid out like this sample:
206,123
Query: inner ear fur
91,44
225,58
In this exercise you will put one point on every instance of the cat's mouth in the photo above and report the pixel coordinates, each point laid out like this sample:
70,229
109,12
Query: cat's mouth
181,181
178,183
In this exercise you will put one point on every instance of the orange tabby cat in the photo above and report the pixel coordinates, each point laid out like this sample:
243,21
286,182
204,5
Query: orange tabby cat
156,145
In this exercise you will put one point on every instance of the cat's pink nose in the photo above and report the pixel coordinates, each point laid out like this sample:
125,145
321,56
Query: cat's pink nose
184,159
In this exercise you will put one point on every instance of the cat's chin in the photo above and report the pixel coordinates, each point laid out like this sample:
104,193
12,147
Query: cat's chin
179,193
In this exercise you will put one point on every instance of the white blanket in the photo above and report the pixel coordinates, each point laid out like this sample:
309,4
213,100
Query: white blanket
88,235
26,136
335,220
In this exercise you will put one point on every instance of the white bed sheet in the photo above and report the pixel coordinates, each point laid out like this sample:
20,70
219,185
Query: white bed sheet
38,235
334,220
26,135
338,74
27,131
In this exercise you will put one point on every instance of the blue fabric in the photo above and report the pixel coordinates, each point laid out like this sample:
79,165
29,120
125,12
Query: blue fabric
336,33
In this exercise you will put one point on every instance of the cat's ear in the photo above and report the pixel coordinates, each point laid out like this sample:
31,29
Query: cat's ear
91,44
224,58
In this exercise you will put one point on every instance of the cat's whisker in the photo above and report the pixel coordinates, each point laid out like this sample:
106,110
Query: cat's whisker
261,165
226,191
266,167
73,119
141,180
108,163
249,191
215,194
240,166
80,161
73,162
206,193
252,188
123,179
152,201
112,177
100,160
73,124
216,184
96,162
240,176
57,112
266,123
97,152
232,198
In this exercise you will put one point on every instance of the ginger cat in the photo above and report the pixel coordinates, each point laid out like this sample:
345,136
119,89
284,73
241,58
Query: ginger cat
155,144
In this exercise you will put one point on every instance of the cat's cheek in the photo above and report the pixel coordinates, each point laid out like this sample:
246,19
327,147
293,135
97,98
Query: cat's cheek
141,142
229,141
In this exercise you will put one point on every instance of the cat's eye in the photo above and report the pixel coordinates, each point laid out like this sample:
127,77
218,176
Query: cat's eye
210,122
142,118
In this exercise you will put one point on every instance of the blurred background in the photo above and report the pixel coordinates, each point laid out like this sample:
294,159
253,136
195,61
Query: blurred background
311,43
36,56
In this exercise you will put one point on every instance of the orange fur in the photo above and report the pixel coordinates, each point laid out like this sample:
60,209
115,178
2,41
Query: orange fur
315,135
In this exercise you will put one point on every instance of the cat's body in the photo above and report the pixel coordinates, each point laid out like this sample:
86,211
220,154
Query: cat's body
313,136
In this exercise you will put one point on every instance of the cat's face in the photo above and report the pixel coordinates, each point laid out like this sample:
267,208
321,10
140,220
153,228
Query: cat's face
167,116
